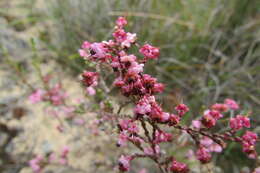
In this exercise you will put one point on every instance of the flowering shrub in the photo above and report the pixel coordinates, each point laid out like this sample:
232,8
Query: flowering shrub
140,89
39,162
149,126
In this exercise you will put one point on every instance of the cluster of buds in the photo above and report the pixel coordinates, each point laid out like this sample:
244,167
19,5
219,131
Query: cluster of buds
89,79
140,89
38,163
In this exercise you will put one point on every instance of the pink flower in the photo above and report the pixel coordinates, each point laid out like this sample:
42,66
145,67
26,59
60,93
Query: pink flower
98,50
142,171
239,122
143,106
148,80
119,82
248,142
37,96
203,155
35,164
129,62
130,39
123,38
210,117
174,119
122,138
86,45
84,51
210,145
124,163
149,51
257,170
196,124
136,68
219,107
65,151
150,151
215,148
250,137
158,88
181,109
178,167
208,121
213,113
121,22
161,136
157,113
56,95
90,78
165,117
232,104
90,91
109,43
127,90
120,35
142,109
206,142
128,125
128,59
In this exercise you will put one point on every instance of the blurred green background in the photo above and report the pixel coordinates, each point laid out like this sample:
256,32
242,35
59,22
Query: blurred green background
210,49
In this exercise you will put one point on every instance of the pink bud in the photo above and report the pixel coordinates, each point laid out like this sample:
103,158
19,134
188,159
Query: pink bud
196,124
121,22
232,104
90,91
149,51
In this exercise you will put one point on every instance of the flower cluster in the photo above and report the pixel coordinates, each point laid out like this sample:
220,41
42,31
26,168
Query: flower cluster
39,162
140,89
61,158
211,116
54,95
249,140
36,163
206,147
239,122
178,167
89,79
124,163
150,52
